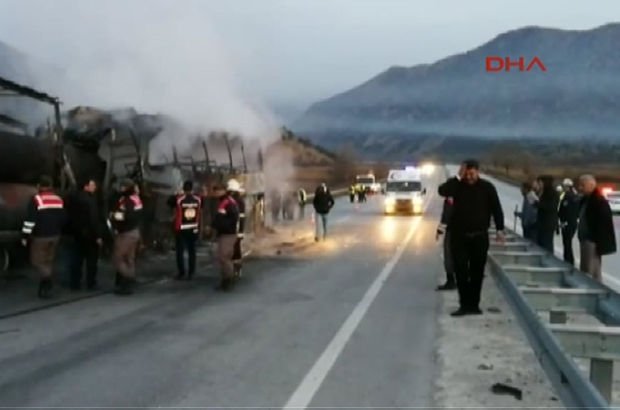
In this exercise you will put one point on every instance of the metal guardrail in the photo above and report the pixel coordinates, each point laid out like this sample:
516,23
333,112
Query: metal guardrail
532,281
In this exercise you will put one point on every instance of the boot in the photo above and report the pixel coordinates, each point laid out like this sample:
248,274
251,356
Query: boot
225,285
124,286
117,280
237,270
447,286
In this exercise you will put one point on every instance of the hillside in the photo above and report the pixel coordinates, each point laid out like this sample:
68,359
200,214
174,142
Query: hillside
578,95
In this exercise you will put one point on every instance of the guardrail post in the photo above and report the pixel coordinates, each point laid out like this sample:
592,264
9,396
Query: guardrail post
557,317
602,376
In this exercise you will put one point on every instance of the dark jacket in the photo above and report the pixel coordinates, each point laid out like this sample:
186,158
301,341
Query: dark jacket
599,220
84,218
241,206
474,204
127,213
547,218
323,200
226,217
569,209
45,217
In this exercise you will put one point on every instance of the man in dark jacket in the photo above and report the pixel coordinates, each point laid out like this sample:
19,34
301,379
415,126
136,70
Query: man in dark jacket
126,218
444,229
85,226
596,233
225,224
568,215
547,217
475,202
238,196
42,229
323,203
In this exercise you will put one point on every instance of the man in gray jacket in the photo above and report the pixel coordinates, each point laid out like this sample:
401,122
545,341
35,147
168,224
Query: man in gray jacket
529,211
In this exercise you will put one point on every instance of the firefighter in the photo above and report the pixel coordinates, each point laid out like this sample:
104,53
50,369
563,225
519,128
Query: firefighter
187,210
352,191
125,219
42,229
225,225
302,198
237,193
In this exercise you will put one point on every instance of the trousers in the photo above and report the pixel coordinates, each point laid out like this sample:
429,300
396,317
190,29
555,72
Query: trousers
448,263
469,252
124,254
320,225
225,252
591,261
186,242
43,253
568,233
85,250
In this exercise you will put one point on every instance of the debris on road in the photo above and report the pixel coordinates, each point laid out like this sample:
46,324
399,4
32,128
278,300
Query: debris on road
501,388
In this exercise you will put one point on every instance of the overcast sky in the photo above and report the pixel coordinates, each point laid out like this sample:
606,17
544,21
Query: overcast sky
286,51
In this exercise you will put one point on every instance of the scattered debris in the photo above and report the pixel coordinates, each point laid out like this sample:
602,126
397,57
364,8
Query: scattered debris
494,309
485,367
501,388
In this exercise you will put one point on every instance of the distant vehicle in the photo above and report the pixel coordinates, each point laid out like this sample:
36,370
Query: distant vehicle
613,197
368,183
404,192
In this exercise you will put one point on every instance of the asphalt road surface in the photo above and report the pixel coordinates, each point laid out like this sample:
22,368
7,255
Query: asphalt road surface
510,197
350,322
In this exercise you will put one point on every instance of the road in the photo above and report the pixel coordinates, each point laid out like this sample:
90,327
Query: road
348,322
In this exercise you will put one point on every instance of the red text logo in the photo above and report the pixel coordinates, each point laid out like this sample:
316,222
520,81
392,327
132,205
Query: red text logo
496,64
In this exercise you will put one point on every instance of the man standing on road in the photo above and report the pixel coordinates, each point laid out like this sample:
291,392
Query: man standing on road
529,212
302,198
85,225
126,218
444,229
568,215
323,203
187,211
547,217
225,225
237,194
475,201
42,228
596,233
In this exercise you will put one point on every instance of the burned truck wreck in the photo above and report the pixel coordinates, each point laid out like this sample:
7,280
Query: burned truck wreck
109,146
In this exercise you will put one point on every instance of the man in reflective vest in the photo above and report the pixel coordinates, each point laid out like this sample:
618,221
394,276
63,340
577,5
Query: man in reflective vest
126,218
42,229
187,211
237,194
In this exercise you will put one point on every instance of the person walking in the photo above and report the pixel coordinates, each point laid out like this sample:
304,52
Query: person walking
352,191
596,233
126,217
225,225
568,215
475,202
444,229
42,228
237,193
85,225
323,203
187,212
529,212
547,215
302,198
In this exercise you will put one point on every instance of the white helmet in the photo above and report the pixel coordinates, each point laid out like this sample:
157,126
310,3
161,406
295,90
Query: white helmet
233,185
567,182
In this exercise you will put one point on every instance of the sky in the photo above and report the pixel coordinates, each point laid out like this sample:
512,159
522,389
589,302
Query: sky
286,54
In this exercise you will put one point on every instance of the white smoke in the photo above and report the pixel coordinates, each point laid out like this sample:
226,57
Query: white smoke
157,56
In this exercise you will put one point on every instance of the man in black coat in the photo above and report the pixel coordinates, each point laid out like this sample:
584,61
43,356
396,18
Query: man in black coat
568,215
547,218
475,202
86,228
596,233
323,203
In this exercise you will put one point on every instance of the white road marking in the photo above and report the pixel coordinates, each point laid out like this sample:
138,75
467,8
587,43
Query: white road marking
311,383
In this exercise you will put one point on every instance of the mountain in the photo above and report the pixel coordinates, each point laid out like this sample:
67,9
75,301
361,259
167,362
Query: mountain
578,95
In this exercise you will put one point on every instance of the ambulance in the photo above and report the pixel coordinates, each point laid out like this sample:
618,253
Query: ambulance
404,191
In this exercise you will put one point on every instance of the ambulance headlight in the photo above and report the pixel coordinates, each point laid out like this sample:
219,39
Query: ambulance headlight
416,200
389,201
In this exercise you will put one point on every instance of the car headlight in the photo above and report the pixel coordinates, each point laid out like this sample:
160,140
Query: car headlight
390,201
416,200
